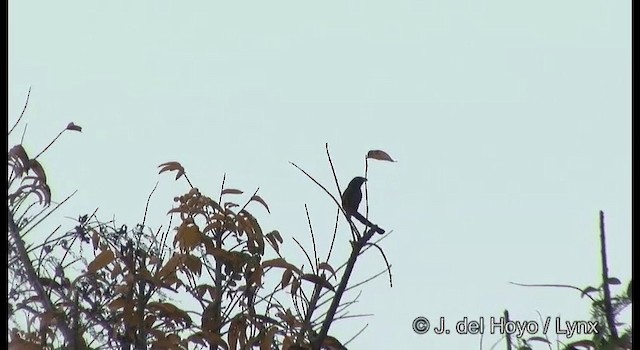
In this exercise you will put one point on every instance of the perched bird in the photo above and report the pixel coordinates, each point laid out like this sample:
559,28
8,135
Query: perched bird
351,198
352,195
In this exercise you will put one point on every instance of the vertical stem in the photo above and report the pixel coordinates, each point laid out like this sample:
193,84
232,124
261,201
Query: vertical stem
306,325
218,284
608,308
34,279
366,189
355,252
507,335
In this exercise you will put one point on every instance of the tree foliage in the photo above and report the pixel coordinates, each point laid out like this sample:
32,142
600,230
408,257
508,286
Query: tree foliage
213,279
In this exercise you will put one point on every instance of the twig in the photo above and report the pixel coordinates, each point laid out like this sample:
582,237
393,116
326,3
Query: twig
507,335
385,261
333,169
146,207
23,110
330,195
306,325
333,237
50,143
608,308
27,230
24,132
313,266
367,280
366,188
554,286
313,239
357,334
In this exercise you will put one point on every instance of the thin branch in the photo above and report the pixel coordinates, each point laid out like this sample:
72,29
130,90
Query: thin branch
313,239
357,334
385,261
224,178
554,286
333,169
507,335
146,207
24,132
366,188
26,102
344,317
249,201
50,143
305,253
333,237
26,230
544,334
608,308
367,280
329,193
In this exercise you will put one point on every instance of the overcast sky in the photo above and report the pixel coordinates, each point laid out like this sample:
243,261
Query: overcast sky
510,122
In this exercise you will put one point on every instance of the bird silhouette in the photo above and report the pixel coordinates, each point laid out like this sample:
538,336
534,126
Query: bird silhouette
351,198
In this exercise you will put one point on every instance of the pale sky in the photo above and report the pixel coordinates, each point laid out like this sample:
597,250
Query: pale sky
510,122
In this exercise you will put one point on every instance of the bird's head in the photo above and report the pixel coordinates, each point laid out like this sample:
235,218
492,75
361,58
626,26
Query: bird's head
358,181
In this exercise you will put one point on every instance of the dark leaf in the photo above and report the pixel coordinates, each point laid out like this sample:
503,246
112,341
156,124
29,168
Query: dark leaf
71,126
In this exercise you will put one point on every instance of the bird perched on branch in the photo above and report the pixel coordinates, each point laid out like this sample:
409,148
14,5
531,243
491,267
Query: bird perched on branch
351,198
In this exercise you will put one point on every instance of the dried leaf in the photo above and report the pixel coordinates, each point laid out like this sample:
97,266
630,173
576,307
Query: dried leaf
48,318
286,278
150,320
193,264
588,290
588,344
18,343
540,339
188,237
319,280
217,222
38,170
326,266
332,343
613,280
280,262
379,155
173,339
267,340
261,201
116,270
256,277
233,334
295,285
272,240
44,194
117,304
95,239
103,259
71,126
172,166
231,191
276,235
169,268
196,338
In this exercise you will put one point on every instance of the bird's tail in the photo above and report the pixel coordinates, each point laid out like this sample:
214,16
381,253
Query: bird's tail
366,222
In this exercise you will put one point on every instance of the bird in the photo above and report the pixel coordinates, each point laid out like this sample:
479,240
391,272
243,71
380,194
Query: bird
351,198
352,195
